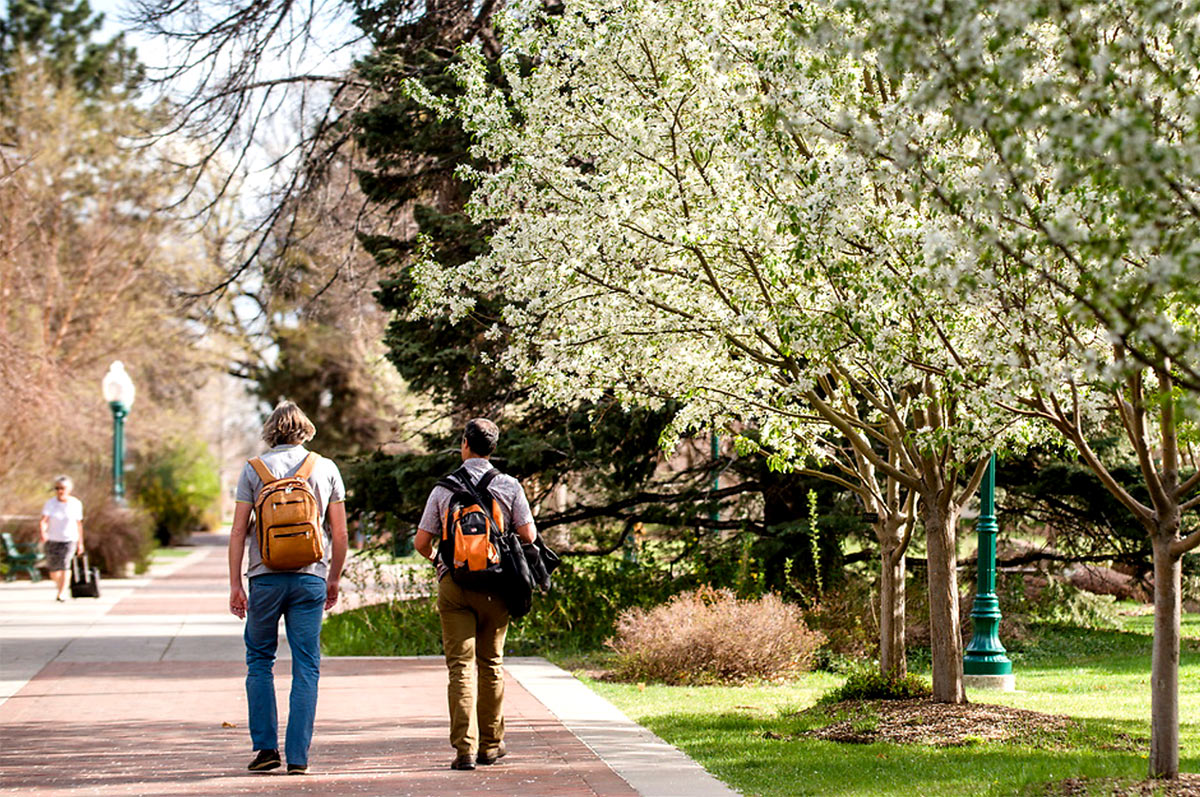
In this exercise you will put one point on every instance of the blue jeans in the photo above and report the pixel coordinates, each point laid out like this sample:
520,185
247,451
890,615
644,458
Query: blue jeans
299,598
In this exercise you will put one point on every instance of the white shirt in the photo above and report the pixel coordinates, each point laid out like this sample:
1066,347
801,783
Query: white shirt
64,519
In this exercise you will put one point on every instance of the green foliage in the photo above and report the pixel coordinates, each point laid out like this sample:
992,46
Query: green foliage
805,522
1042,488
845,617
178,484
1056,602
577,614
587,595
600,448
336,391
60,33
400,628
868,683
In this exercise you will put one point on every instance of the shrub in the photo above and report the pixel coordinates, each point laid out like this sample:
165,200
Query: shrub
116,536
848,617
871,684
399,628
1039,599
586,596
868,683
709,635
576,616
178,484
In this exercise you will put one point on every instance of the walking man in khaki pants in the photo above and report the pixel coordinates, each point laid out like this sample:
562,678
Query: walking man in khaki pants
474,623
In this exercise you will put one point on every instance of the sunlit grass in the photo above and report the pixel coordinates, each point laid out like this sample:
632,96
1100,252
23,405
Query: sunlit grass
1100,678
170,554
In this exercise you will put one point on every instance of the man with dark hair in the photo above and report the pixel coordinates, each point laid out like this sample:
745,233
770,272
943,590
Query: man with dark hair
481,436
474,623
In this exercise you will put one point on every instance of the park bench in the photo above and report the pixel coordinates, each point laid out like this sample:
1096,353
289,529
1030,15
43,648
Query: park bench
20,556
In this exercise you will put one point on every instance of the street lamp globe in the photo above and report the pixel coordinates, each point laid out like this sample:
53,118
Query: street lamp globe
117,386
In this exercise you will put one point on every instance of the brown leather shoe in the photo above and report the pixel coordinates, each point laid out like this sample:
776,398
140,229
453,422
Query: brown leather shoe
487,759
464,761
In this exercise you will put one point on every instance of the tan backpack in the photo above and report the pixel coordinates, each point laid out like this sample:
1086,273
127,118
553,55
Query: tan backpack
288,518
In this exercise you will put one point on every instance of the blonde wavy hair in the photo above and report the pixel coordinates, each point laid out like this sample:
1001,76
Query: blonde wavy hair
288,425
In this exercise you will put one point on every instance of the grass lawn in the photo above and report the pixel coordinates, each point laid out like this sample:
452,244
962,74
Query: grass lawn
169,554
1100,678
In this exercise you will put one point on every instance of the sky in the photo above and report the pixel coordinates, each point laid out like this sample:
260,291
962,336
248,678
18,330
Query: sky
150,52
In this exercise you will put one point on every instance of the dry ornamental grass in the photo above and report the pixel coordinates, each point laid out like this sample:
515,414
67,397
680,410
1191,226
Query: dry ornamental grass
710,636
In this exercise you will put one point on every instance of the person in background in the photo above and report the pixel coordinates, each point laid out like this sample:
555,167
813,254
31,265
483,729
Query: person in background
62,531
298,596
474,623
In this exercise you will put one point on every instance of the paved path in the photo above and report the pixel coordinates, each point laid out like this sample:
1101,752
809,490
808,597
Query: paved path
141,692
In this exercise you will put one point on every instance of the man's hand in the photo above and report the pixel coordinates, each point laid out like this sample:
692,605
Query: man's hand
237,602
331,593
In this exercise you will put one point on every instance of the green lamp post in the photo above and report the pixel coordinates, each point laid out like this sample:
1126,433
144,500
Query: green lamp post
986,664
118,392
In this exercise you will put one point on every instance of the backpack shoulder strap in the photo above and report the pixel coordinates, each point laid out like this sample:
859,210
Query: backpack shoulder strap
484,482
455,482
459,482
306,467
260,468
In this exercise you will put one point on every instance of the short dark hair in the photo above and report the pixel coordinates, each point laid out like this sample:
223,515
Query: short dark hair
481,436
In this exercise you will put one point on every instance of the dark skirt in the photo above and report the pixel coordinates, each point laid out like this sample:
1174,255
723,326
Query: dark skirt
58,555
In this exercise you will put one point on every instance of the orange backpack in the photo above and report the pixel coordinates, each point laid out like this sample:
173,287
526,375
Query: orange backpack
288,518
472,530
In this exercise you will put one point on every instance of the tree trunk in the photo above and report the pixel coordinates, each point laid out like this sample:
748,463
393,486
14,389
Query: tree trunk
893,660
1164,665
945,636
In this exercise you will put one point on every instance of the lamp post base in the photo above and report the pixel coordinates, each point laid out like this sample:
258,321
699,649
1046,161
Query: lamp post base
994,683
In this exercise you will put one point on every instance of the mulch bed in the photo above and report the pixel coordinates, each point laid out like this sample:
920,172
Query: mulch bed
923,721
1186,785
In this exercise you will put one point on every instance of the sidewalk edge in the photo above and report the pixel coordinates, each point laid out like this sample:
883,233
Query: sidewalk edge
647,763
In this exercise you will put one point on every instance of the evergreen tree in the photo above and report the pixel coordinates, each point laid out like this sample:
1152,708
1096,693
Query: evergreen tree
60,34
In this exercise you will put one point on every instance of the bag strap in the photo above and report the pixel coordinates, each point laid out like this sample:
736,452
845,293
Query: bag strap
305,470
306,467
485,481
480,488
460,482
263,472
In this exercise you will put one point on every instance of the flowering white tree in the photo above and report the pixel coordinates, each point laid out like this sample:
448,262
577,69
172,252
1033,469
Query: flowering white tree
1074,196
679,221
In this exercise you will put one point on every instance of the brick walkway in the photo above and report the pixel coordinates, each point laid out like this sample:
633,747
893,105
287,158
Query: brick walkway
147,698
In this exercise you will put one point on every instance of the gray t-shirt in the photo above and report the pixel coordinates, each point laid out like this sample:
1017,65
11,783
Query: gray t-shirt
514,506
326,482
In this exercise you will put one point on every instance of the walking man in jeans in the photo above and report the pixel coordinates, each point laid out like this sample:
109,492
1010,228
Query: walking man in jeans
299,596
474,623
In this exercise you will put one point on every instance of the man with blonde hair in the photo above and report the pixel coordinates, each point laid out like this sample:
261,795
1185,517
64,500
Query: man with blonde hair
475,623
299,595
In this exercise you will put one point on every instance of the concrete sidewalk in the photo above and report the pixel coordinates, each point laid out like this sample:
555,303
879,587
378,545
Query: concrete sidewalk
141,692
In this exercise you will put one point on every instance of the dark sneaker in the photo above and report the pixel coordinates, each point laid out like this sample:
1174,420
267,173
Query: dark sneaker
297,769
489,758
464,761
266,759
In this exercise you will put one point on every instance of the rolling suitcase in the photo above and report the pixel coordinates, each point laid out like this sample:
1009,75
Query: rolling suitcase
85,580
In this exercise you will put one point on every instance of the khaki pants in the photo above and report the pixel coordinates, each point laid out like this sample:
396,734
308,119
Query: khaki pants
473,628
